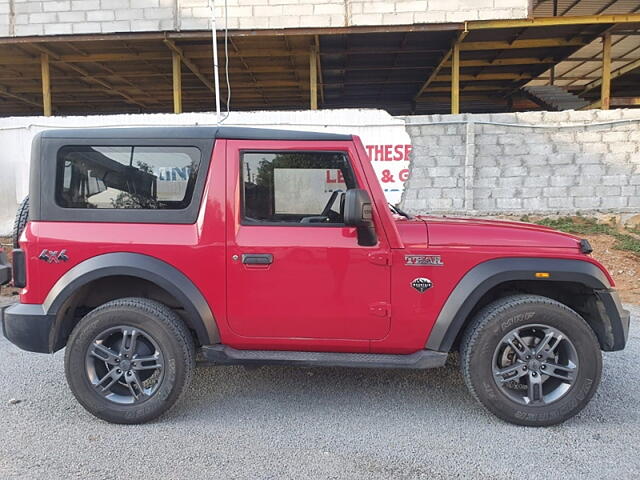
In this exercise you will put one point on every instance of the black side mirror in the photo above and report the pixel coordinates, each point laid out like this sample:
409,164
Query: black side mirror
358,213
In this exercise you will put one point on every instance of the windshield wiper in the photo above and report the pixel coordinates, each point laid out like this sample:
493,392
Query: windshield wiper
396,209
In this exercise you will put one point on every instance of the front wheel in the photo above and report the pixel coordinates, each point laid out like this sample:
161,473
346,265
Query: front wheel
531,360
129,360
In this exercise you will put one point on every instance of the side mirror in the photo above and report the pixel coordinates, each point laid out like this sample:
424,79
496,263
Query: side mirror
358,212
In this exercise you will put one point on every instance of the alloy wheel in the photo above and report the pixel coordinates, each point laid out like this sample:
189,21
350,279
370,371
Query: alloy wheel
125,365
535,365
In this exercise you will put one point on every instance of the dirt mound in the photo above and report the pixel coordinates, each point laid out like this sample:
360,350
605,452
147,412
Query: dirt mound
623,266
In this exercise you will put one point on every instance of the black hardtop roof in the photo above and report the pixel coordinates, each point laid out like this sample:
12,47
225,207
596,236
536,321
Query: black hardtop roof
232,133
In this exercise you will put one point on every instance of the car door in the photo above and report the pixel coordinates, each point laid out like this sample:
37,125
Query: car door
294,270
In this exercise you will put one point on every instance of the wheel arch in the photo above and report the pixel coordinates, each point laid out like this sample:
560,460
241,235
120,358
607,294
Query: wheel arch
481,284
167,278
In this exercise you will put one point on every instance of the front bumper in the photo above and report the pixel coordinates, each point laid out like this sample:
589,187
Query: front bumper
615,321
28,327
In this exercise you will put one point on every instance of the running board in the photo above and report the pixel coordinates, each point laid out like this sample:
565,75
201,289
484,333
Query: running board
224,355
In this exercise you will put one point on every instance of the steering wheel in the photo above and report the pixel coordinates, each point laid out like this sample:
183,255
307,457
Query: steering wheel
327,207
327,215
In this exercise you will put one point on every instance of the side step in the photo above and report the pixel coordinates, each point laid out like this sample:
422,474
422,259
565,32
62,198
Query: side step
224,355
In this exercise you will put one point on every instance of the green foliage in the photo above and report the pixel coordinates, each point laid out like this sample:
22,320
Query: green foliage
577,225
628,243
134,200
590,226
635,230
265,174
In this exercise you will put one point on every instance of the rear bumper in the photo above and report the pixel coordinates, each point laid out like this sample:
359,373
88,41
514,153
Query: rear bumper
615,321
28,327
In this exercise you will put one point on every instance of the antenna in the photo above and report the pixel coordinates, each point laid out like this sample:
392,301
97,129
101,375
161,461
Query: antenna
214,43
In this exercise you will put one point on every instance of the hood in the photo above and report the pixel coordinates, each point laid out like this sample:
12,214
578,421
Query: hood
495,233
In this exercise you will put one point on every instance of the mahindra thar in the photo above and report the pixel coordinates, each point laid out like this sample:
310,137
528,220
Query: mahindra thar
144,250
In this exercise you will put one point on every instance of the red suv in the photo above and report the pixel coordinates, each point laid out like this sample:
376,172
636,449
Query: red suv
149,248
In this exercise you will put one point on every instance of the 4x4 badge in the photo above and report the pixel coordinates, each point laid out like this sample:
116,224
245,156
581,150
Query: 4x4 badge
422,284
53,256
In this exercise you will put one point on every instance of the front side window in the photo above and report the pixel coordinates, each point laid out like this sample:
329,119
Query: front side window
126,177
304,188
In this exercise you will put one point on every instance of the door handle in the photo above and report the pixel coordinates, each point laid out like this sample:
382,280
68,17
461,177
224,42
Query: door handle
257,258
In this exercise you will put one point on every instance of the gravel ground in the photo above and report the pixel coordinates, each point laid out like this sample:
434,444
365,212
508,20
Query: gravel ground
313,423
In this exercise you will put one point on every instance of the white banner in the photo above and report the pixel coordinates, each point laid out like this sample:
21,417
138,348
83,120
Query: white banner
384,137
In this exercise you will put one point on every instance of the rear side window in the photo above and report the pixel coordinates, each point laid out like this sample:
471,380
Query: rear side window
126,177
304,188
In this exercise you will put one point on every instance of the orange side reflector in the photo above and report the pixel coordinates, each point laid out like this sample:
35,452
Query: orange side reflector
543,274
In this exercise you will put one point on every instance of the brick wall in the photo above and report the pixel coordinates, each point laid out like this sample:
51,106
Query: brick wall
55,17
579,161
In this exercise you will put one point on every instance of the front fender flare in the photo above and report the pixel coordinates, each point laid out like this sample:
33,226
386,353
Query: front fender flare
481,278
199,315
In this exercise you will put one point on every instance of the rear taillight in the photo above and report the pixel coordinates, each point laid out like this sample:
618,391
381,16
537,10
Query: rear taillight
19,269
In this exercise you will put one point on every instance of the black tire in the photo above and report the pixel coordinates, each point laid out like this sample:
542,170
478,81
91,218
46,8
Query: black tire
483,347
22,217
154,323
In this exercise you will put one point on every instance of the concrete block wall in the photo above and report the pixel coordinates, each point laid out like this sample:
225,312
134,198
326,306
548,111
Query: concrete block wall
437,168
62,17
58,17
6,18
376,12
532,162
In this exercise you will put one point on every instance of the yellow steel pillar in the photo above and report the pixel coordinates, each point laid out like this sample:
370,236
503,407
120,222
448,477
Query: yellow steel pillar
313,77
455,79
177,82
46,84
605,87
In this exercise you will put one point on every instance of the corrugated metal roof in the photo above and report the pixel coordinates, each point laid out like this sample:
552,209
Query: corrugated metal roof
544,8
584,66
383,69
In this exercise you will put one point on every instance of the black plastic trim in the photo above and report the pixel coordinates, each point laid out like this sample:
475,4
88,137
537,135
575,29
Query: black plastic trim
615,319
201,132
46,144
199,315
5,269
262,223
585,246
225,355
43,206
257,258
480,279
248,223
28,327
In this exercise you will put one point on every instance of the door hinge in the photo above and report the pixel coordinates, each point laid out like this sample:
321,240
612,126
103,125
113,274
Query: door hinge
380,309
380,258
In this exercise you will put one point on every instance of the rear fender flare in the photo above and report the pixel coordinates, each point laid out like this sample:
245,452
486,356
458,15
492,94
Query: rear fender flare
199,315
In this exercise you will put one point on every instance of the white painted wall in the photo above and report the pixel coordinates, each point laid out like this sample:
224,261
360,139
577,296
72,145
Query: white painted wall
385,135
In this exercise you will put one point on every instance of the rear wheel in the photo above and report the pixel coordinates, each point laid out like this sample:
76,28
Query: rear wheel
129,360
531,360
